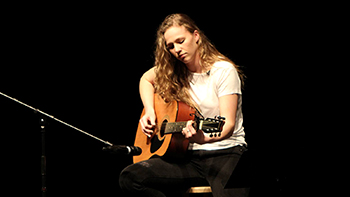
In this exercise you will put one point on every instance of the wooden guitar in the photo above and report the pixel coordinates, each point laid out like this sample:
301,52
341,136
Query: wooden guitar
167,139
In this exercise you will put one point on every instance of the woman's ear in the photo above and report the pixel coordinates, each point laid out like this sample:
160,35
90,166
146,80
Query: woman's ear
196,35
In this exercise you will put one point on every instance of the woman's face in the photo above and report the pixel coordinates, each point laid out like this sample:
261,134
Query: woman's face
181,43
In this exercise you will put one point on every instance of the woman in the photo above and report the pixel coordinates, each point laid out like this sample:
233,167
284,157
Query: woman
190,69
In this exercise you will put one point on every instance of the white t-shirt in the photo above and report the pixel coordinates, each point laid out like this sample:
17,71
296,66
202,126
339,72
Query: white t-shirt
206,89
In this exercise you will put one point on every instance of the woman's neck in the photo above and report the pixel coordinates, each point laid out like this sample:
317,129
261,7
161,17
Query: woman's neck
195,65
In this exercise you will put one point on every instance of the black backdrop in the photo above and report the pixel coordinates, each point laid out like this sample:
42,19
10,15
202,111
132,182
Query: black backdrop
82,64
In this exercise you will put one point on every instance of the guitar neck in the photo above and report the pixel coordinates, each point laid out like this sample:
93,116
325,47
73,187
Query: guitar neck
207,126
174,127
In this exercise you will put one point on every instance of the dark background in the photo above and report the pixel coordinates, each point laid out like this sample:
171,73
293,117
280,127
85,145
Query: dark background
82,63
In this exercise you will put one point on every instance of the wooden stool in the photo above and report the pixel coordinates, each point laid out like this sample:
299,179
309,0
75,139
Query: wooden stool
205,190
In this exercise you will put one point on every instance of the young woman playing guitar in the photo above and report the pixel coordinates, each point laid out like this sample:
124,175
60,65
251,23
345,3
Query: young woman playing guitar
190,70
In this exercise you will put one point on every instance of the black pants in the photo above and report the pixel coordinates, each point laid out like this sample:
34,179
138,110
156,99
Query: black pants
158,177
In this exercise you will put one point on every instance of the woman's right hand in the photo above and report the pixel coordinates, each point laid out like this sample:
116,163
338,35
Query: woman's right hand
148,123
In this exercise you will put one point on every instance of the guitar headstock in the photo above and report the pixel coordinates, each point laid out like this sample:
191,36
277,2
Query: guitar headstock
212,125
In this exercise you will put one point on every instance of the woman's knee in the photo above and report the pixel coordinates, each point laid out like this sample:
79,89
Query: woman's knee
126,179
130,179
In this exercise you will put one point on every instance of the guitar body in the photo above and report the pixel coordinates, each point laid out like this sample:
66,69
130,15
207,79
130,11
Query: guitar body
160,144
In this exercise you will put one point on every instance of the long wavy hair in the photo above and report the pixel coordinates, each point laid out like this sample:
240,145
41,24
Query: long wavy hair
172,80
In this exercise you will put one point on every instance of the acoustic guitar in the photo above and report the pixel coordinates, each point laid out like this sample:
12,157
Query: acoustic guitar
167,139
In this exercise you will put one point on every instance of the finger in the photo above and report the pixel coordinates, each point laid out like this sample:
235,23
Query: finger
145,124
142,123
148,133
152,121
145,130
148,126
148,130
186,132
190,127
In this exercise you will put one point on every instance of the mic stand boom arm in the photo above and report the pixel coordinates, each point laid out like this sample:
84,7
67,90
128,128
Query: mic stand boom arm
58,120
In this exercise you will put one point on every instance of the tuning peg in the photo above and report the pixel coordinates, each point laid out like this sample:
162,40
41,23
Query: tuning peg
220,117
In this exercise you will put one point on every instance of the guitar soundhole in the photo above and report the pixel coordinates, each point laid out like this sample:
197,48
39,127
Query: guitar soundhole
162,128
155,142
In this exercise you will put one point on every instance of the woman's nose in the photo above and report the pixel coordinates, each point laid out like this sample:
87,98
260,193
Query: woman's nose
177,48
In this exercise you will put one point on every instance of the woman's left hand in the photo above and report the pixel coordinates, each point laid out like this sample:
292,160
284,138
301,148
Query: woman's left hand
194,136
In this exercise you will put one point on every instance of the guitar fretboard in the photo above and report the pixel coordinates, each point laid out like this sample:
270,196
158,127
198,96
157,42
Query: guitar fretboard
174,127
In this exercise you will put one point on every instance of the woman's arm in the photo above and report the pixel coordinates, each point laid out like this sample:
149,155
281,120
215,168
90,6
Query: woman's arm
228,108
148,121
147,89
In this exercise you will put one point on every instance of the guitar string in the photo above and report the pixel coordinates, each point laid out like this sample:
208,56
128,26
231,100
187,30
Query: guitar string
58,120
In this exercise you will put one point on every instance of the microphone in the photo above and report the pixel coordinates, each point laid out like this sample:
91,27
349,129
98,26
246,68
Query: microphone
208,72
123,149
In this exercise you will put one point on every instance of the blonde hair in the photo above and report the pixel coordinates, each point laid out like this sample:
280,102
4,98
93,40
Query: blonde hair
172,81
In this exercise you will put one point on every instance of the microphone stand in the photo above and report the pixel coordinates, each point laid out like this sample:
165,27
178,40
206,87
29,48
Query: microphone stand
43,155
43,123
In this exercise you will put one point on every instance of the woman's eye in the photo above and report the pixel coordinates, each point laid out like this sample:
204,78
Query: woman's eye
170,46
182,41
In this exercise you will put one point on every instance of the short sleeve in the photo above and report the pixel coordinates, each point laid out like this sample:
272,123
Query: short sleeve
229,82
